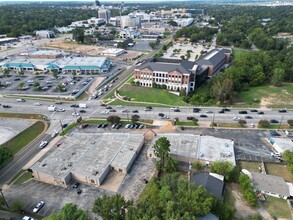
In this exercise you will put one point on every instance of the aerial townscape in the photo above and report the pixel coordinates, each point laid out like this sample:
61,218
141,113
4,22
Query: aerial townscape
146,110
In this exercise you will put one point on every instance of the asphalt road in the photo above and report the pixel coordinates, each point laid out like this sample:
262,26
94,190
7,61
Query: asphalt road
21,159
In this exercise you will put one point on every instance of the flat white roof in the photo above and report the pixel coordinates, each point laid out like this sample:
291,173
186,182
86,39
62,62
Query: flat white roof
89,154
113,51
206,148
211,55
284,143
7,39
46,52
80,61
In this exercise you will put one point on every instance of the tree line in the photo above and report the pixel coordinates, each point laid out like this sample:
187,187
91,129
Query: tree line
25,19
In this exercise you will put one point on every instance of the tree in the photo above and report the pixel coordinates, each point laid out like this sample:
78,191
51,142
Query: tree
134,118
225,168
290,122
114,119
6,72
264,123
242,122
122,45
78,35
247,189
60,87
172,23
162,150
198,166
20,85
152,45
223,89
17,205
4,154
36,85
111,207
278,76
21,73
73,74
54,73
68,212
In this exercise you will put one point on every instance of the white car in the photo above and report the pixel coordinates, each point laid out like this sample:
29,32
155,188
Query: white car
38,206
30,81
104,112
173,108
119,106
55,134
43,144
27,218
8,83
209,111
37,104
75,114
60,110
236,119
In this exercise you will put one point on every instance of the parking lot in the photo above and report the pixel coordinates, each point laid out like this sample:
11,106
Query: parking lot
31,192
248,144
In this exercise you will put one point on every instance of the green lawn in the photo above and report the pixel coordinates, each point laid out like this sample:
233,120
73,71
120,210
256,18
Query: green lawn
277,97
25,137
237,52
23,178
250,166
144,94
186,123
277,207
275,126
228,125
19,115
279,170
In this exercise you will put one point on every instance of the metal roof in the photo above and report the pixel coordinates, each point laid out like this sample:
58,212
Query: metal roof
214,57
18,65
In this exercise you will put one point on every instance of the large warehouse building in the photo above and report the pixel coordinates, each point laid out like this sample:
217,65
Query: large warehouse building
189,148
88,158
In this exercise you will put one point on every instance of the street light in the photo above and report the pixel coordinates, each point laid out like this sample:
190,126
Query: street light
4,198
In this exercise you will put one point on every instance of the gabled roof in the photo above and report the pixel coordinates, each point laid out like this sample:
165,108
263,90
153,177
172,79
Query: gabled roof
212,184
270,183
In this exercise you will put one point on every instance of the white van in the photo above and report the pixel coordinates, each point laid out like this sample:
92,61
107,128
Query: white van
20,100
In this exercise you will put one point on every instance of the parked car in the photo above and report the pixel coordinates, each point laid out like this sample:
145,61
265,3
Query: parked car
84,125
104,125
99,125
127,126
104,105
38,206
76,185
274,121
75,114
141,126
64,125
118,126
58,144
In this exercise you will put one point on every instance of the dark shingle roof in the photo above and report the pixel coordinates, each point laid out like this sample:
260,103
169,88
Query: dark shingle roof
213,58
212,184
182,67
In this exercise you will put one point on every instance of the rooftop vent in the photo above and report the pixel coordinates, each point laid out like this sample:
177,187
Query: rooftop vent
95,172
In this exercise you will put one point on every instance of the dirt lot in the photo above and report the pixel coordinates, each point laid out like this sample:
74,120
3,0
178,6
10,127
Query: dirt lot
90,50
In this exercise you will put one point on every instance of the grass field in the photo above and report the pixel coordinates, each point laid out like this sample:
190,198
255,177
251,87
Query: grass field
228,125
279,170
152,95
25,137
19,115
250,166
23,178
277,207
275,126
186,123
237,52
275,97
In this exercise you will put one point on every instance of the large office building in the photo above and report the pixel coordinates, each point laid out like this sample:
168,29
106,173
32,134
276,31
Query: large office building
178,75
105,14
130,21
88,158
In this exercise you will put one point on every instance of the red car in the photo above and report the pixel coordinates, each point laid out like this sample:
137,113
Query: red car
102,104
58,144
84,125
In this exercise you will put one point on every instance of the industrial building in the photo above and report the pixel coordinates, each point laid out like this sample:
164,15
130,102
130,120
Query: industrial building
189,148
88,158
115,52
45,54
45,34
8,40
130,21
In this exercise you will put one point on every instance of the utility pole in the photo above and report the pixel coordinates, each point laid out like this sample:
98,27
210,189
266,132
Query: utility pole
280,122
61,126
4,198
213,120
